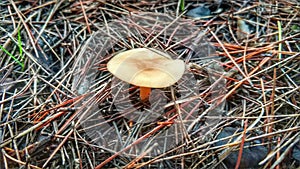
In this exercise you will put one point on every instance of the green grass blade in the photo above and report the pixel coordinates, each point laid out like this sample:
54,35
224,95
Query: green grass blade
14,58
20,48
182,6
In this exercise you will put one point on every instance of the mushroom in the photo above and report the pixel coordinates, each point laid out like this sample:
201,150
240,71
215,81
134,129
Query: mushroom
146,68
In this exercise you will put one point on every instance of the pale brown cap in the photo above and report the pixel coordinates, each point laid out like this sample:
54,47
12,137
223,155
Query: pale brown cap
146,67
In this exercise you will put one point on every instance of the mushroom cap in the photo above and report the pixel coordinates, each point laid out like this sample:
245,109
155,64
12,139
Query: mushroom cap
146,67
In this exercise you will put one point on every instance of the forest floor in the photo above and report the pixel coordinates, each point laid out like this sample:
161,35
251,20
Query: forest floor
236,106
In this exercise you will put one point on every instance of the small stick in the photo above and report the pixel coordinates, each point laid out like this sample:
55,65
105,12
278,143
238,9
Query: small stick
237,165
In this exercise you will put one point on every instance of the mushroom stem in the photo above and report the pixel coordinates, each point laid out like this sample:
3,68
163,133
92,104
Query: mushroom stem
144,93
